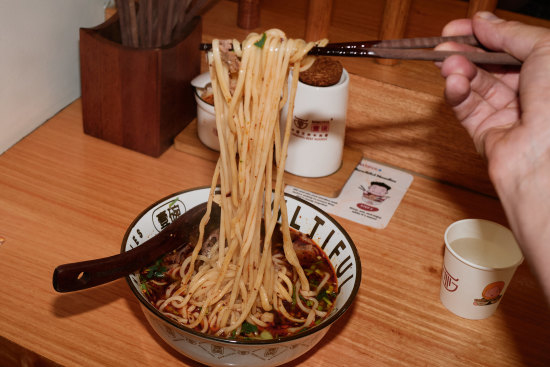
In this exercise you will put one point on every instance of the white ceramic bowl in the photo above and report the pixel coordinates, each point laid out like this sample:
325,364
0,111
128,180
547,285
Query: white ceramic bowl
216,351
206,117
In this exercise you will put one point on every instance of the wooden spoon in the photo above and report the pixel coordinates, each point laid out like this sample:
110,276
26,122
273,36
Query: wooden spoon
181,232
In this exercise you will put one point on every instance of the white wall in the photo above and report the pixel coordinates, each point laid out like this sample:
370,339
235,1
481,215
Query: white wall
39,61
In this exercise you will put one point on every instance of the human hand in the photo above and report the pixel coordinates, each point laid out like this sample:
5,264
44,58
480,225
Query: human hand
506,113
499,108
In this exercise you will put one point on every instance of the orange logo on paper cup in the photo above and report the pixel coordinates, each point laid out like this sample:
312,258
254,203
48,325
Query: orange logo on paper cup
491,294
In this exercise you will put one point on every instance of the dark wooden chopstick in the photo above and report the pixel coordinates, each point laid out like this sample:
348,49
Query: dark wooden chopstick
489,58
197,8
406,43
409,49
418,42
157,23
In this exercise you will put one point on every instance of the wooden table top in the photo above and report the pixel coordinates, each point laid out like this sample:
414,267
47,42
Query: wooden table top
66,196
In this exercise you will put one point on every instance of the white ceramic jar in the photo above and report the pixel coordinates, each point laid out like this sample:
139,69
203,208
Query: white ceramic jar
206,116
318,129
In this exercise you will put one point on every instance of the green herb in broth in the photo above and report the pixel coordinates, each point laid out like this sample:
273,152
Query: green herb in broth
156,278
248,328
156,271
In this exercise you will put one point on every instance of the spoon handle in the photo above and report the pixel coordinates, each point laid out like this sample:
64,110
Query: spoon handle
181,232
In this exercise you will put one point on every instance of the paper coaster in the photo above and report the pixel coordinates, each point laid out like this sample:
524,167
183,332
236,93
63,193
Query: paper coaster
370,196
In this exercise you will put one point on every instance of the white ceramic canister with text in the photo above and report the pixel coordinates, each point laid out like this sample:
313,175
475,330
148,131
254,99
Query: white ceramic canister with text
317,129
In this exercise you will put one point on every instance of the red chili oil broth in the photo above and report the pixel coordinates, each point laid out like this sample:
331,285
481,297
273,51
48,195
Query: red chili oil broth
313,260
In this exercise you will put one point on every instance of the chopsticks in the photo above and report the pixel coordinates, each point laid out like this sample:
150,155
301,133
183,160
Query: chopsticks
410,49
156,23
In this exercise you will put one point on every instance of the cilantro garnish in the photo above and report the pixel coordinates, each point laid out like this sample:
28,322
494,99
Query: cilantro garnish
326,296
157,270
248,328
322,293
261,42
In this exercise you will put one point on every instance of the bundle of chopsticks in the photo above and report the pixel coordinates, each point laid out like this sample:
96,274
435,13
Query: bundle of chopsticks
156,23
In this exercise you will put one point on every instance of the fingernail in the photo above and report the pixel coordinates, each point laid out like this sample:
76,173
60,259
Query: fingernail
489,17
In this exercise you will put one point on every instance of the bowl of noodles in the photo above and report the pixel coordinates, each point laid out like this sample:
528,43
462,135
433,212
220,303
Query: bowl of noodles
329,260
263,280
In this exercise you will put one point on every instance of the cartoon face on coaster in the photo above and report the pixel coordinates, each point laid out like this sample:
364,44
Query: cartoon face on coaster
376,193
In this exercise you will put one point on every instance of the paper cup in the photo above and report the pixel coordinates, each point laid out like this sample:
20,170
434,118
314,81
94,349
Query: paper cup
480,259
318,129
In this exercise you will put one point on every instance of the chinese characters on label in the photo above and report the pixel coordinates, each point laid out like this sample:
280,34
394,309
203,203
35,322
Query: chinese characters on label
162,217
311,129
167,213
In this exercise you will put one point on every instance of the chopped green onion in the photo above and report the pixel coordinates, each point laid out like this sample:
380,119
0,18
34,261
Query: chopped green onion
261,42
327,301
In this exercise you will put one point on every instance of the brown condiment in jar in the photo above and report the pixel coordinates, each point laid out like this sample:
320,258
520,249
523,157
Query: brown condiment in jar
324,72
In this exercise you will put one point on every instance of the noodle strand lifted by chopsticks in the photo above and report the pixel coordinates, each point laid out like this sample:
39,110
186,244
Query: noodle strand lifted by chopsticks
242,281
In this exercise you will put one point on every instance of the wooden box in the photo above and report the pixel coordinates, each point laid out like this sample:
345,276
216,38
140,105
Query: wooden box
139,98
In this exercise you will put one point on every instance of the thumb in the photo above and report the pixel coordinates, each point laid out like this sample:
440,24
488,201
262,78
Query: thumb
515,38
